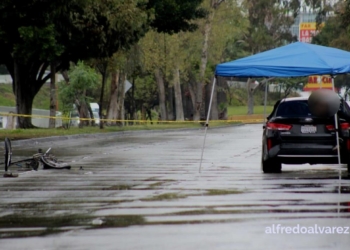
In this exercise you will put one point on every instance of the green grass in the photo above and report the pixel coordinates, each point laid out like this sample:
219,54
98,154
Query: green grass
6,97
242,110
41,100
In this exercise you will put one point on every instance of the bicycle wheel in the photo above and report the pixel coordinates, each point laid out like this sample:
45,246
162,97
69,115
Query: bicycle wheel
8,153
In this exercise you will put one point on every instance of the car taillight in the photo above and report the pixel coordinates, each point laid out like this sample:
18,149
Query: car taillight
278,126
343,126
330,127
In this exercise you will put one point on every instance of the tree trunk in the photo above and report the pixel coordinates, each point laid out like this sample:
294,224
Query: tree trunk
27,81
121,98
133,107
170,103
178,97
204,61
214,113
83,110
250,90
91,115
161,93
191,88
24,104
222,98
113,101
103,70
24,97
52,121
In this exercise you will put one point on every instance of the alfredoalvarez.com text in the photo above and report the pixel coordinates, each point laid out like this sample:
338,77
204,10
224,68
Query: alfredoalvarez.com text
279,229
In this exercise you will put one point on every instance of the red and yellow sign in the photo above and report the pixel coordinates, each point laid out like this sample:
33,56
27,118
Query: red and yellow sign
318,82
307,31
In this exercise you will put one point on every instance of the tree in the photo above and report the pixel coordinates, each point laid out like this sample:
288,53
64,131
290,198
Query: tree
336,33
205,49
212,5
82,79
173,16
269,27
33,34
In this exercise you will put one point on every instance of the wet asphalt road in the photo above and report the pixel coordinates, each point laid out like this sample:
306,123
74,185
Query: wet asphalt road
143,191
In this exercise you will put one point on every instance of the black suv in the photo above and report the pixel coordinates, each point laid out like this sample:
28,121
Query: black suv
293,136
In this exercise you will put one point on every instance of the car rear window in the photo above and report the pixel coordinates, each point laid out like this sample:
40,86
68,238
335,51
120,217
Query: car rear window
297,108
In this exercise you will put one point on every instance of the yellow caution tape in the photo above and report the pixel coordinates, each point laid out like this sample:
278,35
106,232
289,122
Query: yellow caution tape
137,121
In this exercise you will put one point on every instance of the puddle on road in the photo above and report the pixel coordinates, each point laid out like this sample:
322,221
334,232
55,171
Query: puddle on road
18,225
166,196
118,187
33,219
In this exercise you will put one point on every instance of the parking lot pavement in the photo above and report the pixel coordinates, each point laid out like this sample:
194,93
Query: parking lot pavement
144,191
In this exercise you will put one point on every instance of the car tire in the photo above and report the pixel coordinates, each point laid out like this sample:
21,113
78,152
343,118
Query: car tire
271,166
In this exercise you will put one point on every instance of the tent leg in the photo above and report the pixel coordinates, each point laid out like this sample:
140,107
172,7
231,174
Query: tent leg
336,127
207,122
338,149
337,136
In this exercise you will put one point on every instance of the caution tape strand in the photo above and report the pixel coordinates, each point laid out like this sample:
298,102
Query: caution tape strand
129,121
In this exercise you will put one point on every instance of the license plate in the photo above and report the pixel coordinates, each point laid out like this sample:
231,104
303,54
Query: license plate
308,129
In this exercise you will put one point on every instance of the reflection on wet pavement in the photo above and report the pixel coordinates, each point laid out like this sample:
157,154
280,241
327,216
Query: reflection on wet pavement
152,180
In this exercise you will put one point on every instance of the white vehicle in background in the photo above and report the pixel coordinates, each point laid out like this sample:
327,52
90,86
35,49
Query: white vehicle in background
96,117
94,107
75,121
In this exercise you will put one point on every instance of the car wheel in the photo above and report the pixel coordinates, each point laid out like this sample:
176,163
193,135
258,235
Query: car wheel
271,166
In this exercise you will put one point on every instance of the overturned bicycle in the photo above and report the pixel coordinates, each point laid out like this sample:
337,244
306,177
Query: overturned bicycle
41,159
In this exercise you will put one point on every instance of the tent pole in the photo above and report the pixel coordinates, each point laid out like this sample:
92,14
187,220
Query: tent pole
207,122
265,101
336,127
338,146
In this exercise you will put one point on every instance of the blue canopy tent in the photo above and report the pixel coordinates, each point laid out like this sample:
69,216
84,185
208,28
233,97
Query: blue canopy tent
293,60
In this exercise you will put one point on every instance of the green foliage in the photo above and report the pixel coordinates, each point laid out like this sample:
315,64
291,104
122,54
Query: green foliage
82,78
333,34
145,92
35,34
173,16
269,23
336,33
33,37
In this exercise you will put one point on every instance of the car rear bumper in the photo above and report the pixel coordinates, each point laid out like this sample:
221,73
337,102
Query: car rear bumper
305,153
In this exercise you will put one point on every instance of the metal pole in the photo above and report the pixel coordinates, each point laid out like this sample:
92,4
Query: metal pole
338,148
336,127
207,122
